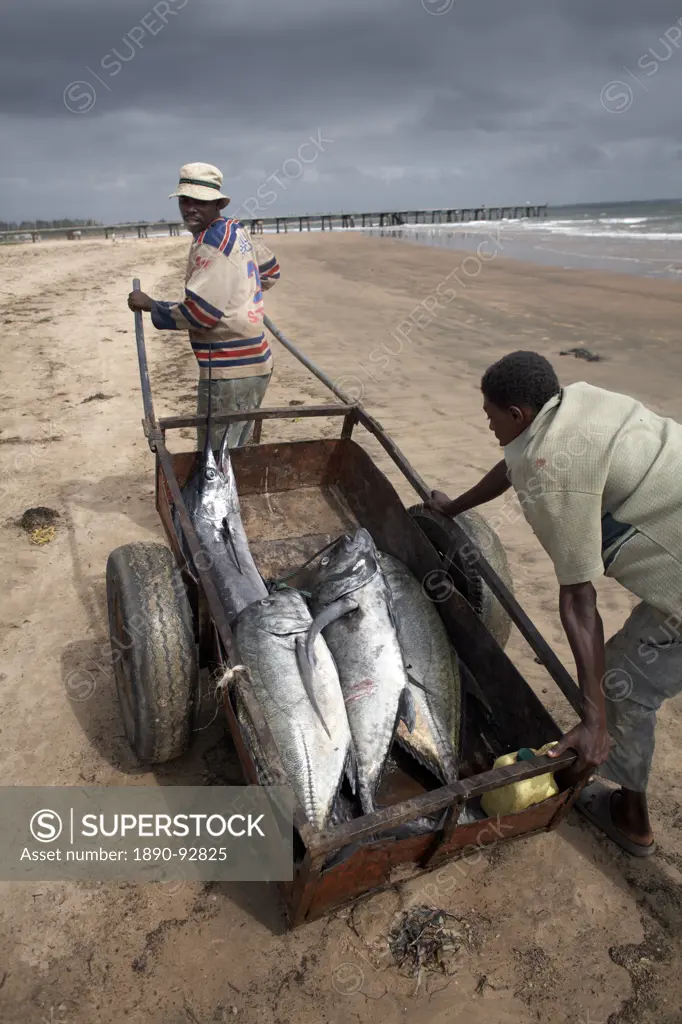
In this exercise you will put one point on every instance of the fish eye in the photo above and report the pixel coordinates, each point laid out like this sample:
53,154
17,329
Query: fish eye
210,474
325,561
265,601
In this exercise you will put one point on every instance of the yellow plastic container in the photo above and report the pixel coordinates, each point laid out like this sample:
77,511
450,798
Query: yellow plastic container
519,795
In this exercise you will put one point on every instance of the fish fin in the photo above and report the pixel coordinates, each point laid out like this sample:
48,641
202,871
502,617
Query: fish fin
350,769
407,710
415,681
306,670
228,534
330,614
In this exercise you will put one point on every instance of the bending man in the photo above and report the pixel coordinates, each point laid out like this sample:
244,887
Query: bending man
599,479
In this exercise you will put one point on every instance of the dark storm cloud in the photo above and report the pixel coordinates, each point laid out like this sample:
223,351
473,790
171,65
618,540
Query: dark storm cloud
563,100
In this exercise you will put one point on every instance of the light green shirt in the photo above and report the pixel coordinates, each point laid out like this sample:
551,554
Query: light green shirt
590,452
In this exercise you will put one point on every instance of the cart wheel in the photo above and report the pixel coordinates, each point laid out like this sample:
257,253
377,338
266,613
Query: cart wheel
154,650
463,571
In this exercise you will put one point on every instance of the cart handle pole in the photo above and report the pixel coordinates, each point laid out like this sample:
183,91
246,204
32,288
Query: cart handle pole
308,363
537,642
149,416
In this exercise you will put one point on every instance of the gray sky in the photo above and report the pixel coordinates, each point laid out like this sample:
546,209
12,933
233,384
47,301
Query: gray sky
415,103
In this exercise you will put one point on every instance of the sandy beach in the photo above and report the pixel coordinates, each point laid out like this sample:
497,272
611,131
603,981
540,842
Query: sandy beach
559,927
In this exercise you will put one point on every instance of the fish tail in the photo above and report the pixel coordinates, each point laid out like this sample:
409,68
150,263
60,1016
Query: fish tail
328,615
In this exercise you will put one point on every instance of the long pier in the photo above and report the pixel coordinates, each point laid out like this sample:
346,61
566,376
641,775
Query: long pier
304,222
454,215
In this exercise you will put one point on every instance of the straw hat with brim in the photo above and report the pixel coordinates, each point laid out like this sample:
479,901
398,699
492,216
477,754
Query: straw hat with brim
201,181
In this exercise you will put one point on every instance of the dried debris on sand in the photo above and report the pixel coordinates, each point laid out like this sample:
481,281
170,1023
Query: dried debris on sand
39,524
421,940
582,353
99,396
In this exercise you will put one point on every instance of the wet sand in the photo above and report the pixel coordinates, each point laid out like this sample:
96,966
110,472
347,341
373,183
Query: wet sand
560,927
551,244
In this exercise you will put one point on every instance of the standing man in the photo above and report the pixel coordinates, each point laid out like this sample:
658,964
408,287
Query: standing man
599,480
222,309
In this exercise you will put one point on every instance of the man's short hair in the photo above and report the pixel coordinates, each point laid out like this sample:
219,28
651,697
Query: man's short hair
521,378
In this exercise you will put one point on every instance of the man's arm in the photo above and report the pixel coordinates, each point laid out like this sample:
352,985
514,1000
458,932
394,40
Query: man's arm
568,525
212,281
268,267
493,484
585,632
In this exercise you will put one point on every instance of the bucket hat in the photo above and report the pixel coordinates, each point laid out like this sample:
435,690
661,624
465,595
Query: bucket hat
200,181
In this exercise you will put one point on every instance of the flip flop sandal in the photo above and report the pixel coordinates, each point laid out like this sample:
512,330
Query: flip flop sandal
595,803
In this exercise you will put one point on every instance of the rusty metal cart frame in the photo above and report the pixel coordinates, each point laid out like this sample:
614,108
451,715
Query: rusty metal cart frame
315,890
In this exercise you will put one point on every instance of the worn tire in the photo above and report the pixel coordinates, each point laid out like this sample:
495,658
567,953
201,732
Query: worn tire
438,529
153,648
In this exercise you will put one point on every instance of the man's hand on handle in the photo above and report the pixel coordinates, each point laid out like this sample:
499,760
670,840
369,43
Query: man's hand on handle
591,743
140,302
493,484
585,634
439,502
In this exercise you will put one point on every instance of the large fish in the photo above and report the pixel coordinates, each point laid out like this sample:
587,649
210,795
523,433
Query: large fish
212,502
304,709
351,603
432,670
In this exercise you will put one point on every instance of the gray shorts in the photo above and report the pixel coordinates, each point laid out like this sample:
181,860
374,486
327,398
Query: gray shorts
643,668
230,396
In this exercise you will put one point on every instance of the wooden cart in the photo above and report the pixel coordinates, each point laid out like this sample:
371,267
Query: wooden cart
296,497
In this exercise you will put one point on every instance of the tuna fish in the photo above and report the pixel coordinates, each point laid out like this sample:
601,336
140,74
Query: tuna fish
213,506
351,603
432,670
270,636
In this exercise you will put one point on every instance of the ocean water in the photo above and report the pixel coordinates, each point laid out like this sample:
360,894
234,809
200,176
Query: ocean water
643,238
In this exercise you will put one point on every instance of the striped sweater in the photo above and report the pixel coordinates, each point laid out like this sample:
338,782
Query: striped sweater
222,309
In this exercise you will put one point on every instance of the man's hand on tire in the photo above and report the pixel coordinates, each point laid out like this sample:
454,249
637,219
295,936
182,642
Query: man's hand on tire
439,502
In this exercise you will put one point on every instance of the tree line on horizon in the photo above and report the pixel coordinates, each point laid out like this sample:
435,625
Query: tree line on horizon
36,225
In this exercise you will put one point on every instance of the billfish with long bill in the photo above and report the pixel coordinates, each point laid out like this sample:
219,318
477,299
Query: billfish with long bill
213,505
